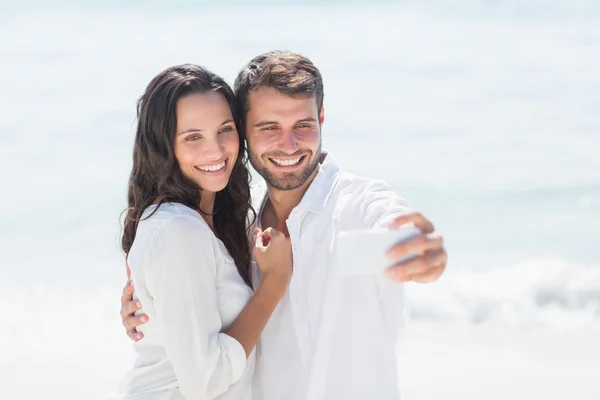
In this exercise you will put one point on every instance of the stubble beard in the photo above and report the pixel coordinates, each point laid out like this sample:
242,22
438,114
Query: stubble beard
286,180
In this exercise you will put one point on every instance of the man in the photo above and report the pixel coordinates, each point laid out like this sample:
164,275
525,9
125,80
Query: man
310,349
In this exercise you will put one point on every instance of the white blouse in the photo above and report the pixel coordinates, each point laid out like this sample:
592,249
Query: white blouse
191,291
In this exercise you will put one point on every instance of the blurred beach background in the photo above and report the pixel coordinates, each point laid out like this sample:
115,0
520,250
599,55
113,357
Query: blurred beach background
484,114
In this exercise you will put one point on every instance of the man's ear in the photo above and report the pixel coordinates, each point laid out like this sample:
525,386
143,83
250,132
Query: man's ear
322,115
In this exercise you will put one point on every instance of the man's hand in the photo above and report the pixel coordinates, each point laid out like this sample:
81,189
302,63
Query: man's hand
128,308
431,257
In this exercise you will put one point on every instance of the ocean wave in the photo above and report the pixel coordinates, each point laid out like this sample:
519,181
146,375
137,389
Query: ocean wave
556,293
535,291
68,338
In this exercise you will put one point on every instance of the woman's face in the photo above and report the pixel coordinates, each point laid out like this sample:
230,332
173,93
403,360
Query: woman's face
206,141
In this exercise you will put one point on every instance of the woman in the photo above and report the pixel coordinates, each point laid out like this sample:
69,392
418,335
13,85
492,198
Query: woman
187,247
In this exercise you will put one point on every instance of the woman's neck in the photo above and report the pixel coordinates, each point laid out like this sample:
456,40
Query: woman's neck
207,206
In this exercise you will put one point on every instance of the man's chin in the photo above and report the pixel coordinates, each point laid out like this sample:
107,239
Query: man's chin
285,182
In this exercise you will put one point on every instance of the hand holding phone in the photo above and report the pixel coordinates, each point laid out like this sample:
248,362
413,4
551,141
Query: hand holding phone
363,252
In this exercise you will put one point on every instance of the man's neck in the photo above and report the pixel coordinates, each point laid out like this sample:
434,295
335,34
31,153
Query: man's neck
280,203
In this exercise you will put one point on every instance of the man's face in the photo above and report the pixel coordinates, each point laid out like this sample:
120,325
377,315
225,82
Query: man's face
284,137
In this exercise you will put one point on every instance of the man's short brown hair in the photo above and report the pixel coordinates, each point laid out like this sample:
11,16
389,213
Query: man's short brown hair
287,72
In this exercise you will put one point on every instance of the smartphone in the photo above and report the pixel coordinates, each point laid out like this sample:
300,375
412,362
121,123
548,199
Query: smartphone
363,252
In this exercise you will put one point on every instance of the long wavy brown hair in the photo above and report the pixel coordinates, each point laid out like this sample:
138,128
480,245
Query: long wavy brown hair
156,175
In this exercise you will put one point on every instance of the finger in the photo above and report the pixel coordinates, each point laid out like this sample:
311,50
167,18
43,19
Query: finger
135,335
429,276
130,323
127,292
403,272
415,218
129,308
416,245
417,266
437,258
258,242
128,270
274,232
267,236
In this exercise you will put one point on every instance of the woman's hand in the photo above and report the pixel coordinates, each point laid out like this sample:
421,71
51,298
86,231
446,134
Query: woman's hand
273,254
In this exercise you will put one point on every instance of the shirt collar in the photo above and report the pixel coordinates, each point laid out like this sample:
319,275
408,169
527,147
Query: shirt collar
320,189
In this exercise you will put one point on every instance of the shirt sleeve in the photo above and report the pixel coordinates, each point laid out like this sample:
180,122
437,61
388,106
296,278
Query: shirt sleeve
361,321
182,282
380,204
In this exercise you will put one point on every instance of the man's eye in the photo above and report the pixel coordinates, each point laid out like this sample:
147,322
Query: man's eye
304,126
269,128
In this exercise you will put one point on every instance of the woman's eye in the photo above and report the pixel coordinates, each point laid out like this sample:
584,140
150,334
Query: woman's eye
226,129
192,137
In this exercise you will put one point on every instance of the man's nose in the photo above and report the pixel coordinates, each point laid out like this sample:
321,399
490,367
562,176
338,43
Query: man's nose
287,142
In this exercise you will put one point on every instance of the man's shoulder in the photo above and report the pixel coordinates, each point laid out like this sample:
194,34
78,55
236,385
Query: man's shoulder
366,202
350,183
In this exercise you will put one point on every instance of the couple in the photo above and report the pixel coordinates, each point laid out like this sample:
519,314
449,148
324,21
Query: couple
217,315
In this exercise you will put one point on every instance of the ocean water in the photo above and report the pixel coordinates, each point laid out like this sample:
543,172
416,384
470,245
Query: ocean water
484,114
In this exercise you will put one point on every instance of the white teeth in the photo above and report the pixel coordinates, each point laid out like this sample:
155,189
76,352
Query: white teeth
212,168
286,163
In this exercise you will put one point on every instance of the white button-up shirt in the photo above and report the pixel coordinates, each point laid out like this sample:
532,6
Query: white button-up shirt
332,337
191,291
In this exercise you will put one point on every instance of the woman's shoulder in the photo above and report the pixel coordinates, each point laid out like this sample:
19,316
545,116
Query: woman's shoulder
169,210
172,220
169,236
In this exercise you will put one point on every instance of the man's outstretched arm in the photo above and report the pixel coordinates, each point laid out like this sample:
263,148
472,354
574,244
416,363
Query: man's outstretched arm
421,258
